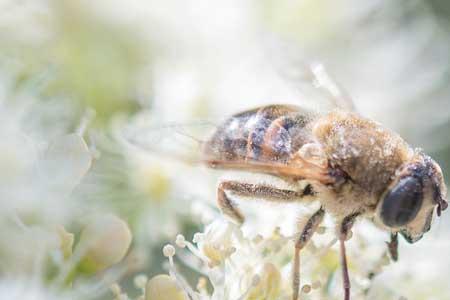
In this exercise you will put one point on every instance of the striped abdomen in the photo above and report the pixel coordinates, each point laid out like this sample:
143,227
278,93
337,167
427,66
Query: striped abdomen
270,133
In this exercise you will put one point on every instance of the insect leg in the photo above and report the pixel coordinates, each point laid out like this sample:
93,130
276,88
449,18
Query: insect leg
393,246
344,231
392,249
263,192
227,206
305,236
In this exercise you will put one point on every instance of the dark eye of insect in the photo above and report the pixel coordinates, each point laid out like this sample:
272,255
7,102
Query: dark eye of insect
401,205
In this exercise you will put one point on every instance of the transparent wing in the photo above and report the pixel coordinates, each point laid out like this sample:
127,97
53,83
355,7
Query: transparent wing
180,141
185,142
312,80
338,95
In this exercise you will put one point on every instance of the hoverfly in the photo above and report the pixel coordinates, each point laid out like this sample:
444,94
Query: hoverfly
352,165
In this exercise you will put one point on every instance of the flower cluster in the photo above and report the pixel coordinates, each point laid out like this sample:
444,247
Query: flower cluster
51,247
233,266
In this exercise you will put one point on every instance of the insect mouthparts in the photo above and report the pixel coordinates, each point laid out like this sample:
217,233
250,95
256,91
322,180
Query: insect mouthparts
442,205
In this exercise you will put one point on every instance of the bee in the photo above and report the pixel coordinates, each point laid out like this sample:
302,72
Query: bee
354,167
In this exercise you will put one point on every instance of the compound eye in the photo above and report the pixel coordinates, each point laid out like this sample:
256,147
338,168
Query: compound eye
401,204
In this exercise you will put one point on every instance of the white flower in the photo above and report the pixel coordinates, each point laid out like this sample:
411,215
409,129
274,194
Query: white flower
44,179
41,165
240,267
155,194
26,290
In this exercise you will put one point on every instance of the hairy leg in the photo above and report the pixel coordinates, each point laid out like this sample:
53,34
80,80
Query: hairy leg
254,191
344,231
305,236
393,247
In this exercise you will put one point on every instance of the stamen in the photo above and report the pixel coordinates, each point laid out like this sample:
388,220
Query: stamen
87,118
115,289
180,241
198,237
255,281
169,252
202,285
306,289
140,281
194,250
316,285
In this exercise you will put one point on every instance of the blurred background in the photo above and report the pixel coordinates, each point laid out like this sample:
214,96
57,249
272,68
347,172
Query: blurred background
89,67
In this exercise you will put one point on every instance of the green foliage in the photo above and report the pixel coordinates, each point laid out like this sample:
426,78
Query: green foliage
89,60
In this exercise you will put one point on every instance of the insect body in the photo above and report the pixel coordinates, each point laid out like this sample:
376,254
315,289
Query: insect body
352,165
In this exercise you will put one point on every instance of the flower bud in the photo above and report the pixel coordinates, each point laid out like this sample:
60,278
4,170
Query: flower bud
104,242
66,242
164,287
269,284
217,243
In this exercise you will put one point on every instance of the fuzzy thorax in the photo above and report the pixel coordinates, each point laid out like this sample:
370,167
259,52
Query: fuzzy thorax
368,154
